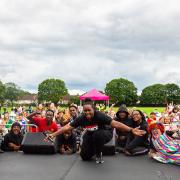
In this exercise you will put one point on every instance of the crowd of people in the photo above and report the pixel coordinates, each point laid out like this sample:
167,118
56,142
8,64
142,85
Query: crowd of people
86,129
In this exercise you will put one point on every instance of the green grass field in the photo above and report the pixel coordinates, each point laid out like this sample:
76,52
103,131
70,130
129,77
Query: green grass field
147,110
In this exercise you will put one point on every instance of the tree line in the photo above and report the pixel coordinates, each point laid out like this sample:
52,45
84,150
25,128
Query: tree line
120,91
123,90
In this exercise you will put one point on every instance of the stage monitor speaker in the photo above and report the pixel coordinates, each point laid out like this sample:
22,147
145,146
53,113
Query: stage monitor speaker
34,143
109,148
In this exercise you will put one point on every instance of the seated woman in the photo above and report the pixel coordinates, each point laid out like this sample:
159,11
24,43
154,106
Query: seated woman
163,148
136,145
67,143
12,140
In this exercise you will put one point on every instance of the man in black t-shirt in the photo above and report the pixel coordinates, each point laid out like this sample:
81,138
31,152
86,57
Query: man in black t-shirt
98,131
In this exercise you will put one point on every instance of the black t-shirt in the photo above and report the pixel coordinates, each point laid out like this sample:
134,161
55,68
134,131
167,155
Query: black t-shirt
142,126
71,141
127,121
11,138
101,120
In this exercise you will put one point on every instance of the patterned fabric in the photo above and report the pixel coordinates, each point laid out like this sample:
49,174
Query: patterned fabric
167,149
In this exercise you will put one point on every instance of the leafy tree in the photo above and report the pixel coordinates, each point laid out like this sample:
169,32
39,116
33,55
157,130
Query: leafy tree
154,94
2,94
74,99
172,93
121,90
178,97
12,92
51,90
160,94
23,93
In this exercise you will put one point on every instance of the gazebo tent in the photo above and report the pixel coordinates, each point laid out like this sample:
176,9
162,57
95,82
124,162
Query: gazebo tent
95,95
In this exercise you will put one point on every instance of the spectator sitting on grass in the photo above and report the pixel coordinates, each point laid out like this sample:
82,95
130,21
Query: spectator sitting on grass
73,110
44,124
152,118
175,115
59,117
9,119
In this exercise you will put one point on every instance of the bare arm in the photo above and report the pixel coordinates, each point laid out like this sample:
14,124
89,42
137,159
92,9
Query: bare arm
30,117
64,129
14,146
123,127
111,108
120,126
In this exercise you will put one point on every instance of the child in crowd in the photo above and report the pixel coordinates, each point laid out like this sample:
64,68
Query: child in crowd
59,117
152,117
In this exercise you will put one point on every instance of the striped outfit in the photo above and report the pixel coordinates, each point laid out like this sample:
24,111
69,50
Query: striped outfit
167,149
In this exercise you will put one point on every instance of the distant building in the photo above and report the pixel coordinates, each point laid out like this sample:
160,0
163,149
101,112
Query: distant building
65,99
28,99
68,99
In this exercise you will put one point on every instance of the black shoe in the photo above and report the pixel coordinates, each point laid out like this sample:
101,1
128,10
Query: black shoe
1,151
119,149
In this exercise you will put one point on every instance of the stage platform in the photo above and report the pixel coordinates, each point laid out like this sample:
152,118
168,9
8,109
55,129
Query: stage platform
20,166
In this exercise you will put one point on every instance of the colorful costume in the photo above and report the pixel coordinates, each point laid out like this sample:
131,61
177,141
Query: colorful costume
167,149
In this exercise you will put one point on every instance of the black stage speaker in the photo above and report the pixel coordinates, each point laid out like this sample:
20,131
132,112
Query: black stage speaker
109,148
34,143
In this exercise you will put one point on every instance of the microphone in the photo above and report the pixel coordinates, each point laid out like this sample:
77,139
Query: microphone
49,138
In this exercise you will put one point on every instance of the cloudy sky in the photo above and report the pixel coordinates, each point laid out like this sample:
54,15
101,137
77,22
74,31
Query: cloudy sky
87,43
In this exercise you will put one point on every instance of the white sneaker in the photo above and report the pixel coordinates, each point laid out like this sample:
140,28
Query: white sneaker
160,159
99,159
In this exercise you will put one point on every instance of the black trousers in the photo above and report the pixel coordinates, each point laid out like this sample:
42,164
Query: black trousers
137,144
93,143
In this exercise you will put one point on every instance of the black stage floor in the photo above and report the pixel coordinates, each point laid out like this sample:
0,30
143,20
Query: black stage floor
19,166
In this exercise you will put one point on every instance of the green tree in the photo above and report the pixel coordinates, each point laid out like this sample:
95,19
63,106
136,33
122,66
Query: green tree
172,93
12,92
160,94
23,93
121,90
51,90
178,97
2,94
154,94
74,99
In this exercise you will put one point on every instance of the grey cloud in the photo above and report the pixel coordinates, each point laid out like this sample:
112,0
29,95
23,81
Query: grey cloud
88,43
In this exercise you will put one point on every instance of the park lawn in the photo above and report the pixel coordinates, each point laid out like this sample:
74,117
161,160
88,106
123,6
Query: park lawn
146,110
